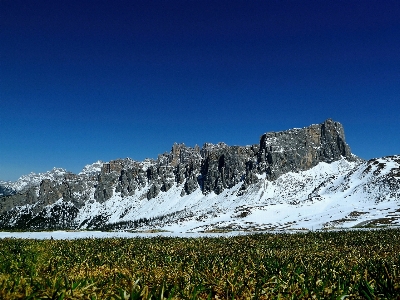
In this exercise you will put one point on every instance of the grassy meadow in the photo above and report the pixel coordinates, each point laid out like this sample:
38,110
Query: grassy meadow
314,265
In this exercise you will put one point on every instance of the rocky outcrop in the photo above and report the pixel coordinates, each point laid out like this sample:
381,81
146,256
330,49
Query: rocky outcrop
224,166
277,153
105,186
212,169
301,149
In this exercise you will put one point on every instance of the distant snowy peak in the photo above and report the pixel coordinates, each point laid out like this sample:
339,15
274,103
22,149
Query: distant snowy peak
93,169
33,179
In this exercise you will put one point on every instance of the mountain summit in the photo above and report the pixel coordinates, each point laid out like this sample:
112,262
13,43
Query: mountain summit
288,179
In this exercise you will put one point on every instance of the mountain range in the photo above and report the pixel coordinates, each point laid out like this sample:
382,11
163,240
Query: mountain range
298,179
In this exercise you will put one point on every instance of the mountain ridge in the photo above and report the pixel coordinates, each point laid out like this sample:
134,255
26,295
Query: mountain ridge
127,194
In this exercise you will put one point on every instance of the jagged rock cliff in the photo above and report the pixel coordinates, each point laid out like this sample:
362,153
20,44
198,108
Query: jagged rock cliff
302,149
211,169
217,167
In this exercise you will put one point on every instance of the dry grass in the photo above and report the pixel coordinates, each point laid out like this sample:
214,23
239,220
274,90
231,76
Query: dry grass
322,265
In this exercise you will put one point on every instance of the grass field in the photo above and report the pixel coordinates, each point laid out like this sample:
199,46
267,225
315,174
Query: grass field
320,265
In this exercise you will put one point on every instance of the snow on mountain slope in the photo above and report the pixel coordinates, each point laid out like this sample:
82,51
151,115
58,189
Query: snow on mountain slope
93,169
340,194
295,179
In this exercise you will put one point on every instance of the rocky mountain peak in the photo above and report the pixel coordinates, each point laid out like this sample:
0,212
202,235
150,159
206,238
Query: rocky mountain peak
209,170
300,149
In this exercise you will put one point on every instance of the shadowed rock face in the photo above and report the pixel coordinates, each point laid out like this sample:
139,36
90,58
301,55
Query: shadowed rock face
301,149
224,166
212,168
277,153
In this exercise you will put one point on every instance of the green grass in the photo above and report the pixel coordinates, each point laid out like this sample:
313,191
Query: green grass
316,265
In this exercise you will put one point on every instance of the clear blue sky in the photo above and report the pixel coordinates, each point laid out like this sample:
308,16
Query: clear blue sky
82,81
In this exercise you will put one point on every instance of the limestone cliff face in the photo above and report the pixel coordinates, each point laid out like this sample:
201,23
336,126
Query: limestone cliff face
212,168
224,166
301,149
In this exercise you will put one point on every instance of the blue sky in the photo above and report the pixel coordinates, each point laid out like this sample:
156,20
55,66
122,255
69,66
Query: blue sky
82,81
